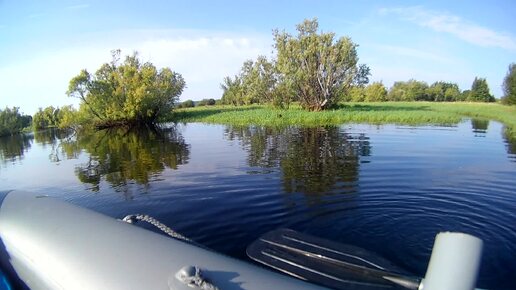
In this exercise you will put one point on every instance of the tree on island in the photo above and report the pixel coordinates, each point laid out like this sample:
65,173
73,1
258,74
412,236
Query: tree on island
480,91
317,66
509,86
313,68
126,93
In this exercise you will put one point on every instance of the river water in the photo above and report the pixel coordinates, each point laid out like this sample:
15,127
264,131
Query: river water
386,188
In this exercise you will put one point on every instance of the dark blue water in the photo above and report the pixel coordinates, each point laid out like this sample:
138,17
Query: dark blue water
389,189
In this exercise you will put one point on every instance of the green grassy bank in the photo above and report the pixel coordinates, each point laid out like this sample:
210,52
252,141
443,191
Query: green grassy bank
374,113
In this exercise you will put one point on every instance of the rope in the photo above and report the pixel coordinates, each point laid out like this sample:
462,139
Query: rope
189,275
133,218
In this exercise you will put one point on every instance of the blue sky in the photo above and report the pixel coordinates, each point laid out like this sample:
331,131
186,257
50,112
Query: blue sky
43,44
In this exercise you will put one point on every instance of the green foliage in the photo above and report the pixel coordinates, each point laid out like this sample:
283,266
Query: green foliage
316,66
232,91
68,117
206,102
509,86
258,80
362,75
408,91
312,68
45,118
12,121
283,95
355,94
38,120
186,104
413,90
127,92
375,92
443,92
256,83
480,91
464,96
65,117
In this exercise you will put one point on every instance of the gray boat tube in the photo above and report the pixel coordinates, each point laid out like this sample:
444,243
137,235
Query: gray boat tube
55,245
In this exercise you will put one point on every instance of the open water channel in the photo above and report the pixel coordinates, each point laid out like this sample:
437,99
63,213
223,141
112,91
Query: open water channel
386,188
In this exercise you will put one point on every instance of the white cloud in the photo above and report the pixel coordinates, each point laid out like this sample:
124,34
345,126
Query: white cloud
77,7
452,24
202,57
203,61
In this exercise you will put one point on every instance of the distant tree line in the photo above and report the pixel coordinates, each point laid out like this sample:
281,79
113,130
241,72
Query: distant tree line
12,121
413,90
64,117
191,104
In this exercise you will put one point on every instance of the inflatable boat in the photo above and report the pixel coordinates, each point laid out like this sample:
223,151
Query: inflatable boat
46,243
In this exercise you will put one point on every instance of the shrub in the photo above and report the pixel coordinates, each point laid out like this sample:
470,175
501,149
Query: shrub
206,102
186,104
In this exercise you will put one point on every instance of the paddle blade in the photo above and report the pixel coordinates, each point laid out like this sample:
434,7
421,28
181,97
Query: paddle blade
327,263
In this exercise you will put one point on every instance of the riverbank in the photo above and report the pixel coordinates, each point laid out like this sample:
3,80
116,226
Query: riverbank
412,113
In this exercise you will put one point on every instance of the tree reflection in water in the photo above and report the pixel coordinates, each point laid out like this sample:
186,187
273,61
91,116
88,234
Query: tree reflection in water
12,148
479,127
122,157
53,138
509,134
312,160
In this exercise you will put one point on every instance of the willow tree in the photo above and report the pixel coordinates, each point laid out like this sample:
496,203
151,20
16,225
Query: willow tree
232,91
317,66
259,80
255,83
128,92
